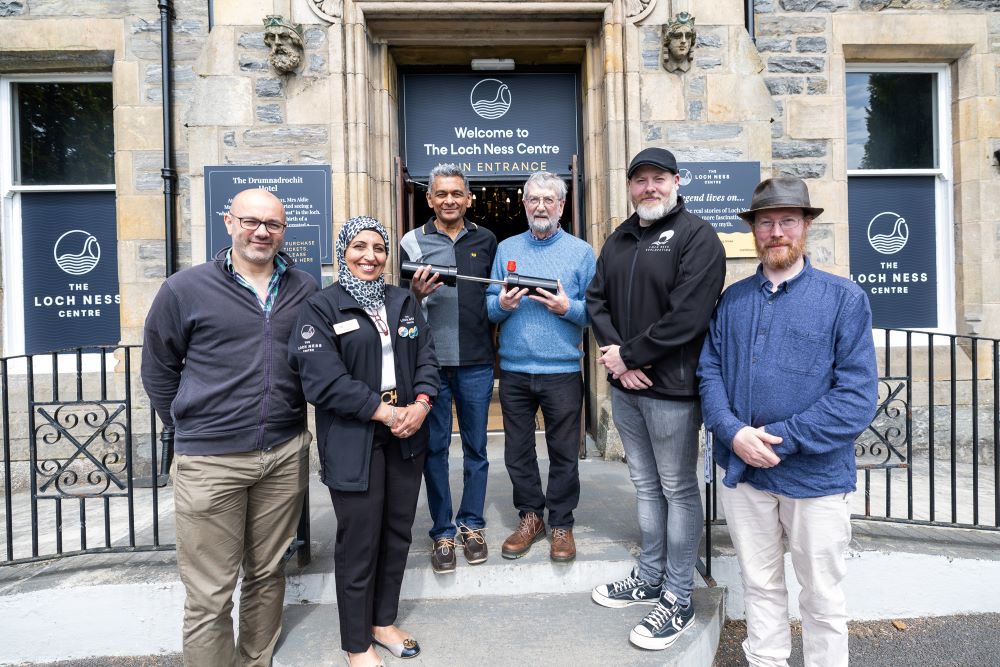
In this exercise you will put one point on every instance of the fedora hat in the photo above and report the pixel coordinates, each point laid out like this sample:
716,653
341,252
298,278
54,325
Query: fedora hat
780,192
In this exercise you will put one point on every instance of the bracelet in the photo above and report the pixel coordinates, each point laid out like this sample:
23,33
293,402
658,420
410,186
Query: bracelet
392,417
424,403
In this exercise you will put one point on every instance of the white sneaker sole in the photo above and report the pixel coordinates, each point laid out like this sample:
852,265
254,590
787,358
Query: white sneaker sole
611,603
656,643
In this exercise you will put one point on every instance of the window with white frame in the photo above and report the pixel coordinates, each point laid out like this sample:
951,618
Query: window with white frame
899,193
60,237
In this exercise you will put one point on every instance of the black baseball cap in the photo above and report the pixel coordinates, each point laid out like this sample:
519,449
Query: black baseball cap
655,157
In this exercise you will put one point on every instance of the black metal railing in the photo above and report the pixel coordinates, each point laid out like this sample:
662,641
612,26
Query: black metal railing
85,463
931,455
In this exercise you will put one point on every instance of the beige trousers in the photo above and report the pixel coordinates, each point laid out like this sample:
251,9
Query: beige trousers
818,532
233,510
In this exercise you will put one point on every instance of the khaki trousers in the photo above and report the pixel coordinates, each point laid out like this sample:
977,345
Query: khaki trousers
818,532
233,510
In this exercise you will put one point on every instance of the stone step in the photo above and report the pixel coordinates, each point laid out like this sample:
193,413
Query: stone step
511,630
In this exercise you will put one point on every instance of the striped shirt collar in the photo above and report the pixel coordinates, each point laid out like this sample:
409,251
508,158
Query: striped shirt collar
280,266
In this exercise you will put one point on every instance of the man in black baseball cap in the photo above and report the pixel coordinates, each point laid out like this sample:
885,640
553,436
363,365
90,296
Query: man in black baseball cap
657,280
660,158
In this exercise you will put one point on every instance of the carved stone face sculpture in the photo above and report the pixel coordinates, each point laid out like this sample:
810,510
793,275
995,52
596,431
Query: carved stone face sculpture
678,43
286,48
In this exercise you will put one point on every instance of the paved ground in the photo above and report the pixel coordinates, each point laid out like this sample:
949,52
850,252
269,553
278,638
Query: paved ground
949,641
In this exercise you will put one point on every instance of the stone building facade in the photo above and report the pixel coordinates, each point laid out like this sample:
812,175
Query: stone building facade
779,97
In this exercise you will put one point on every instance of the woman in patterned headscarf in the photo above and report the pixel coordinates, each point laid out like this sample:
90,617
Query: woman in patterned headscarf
367,363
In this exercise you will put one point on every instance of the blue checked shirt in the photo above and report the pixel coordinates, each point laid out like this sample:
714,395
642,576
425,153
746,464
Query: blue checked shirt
280,266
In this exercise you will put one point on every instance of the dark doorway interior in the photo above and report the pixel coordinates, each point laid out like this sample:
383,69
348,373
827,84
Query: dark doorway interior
496,206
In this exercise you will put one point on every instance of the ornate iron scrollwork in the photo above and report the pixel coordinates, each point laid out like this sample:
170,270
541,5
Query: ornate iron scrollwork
95,433
881,444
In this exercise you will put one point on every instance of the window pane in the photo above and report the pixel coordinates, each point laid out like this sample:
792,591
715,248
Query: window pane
65,133
891,120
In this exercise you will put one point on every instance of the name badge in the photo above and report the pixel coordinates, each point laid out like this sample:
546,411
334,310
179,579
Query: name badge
340,328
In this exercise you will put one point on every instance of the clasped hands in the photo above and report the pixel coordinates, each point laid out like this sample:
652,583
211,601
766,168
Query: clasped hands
611,359
403,421
756,447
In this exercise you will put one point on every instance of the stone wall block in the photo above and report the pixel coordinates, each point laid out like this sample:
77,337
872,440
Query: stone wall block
816,85
269,113
248,64
219,55
708,63
815,117
266,87
662,96
708,40
784,150
309,102
136,299
774,44
795,65
204,148
125,82
719,12
811,44
784,85
814,5
782,26
139,217
243,156
64,8
252,40
696,132
11,8
286,136
989,117
138,128
821,245
732,97
242,12
800,169
222,101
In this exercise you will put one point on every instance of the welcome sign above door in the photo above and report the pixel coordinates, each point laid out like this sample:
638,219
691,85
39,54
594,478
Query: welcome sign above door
491,126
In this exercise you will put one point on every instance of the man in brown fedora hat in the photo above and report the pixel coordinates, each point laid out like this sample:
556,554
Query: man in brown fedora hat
788,381
657,280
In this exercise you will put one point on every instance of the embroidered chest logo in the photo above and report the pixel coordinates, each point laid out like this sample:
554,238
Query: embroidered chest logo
662,244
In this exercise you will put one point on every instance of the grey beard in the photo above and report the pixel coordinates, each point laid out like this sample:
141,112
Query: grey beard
653,212
543,229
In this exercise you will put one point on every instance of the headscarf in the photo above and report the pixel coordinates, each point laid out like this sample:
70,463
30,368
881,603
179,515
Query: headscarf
368,293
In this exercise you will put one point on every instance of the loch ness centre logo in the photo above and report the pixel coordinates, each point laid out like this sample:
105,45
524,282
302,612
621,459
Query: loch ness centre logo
77,252
490,99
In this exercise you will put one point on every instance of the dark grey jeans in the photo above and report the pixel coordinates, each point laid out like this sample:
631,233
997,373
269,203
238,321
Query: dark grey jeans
660,438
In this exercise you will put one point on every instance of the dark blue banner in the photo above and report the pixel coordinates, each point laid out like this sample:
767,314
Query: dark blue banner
70,254
304,191
717,191
492,125
893,239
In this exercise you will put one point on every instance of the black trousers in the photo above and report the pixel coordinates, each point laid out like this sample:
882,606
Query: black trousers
373,539
560,397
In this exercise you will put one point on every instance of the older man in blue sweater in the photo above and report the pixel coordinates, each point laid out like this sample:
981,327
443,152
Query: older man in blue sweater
788,381
540,352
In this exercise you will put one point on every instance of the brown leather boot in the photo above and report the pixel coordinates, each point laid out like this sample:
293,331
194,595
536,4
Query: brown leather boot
530,530
563,547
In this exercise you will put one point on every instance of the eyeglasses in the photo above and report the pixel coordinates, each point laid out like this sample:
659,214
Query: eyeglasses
786,224
380,324
535,201
252,224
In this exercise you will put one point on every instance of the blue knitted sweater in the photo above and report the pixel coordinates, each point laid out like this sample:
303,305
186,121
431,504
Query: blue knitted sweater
533,340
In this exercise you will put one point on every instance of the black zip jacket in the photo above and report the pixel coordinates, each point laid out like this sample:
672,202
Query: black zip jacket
653,295
337,352
215,366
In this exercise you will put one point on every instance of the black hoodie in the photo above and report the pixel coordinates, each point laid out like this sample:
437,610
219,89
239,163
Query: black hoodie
653,295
